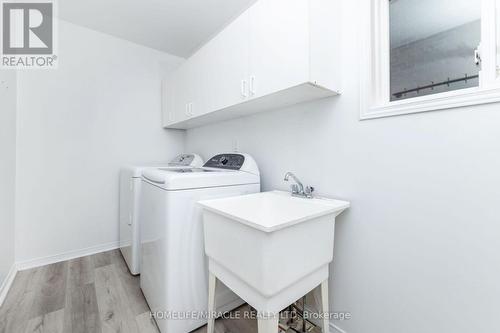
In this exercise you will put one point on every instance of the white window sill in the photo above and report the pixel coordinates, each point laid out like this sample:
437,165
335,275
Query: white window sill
448,100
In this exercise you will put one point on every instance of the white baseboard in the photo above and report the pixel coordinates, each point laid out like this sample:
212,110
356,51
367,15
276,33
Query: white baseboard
7,283
336,328
32,263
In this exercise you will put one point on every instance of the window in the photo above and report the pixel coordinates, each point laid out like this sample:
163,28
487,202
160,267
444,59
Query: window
425,55
432,46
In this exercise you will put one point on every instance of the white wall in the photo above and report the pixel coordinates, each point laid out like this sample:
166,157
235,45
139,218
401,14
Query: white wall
7,170
77,126
418,250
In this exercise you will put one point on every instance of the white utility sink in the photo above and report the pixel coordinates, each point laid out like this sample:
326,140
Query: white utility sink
270,248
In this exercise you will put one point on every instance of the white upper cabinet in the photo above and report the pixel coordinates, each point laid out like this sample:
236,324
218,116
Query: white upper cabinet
277,53
168,101
184,93
227,64
279,45
179,83
198,81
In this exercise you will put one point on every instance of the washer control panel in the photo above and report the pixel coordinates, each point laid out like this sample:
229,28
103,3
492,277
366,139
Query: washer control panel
226,161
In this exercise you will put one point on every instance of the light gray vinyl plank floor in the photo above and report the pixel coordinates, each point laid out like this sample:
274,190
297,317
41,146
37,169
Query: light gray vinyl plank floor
50,290
114,309
81,311
93,294
52,322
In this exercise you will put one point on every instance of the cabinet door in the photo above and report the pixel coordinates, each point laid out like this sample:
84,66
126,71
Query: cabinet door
226,60
182,93
198,81
167,101
279,45
175,97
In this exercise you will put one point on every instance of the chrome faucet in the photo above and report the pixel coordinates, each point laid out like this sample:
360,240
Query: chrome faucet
298,189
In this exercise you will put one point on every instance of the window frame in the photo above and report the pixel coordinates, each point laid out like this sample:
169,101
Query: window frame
375,64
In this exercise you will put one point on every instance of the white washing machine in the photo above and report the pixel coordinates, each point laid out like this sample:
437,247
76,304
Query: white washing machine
130,188
174,274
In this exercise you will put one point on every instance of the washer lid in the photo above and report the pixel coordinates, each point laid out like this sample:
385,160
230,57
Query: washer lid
183,179
180,161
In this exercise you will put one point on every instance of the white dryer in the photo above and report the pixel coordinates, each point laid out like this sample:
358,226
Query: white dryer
130,189
174,275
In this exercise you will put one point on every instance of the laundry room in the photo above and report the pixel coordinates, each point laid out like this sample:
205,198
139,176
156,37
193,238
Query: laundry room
241,166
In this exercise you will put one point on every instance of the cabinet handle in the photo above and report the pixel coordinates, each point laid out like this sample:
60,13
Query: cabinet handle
252,85
244,92
189,109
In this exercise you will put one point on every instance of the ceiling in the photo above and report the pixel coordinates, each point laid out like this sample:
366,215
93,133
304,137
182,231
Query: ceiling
412,20
178,27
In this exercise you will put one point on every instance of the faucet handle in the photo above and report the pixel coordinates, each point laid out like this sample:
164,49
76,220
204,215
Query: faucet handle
309,191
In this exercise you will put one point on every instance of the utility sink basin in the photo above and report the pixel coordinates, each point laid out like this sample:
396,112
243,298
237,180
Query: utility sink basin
269,247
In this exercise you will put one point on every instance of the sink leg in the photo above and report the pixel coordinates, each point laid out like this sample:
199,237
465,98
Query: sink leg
324,304
212,284
268,322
